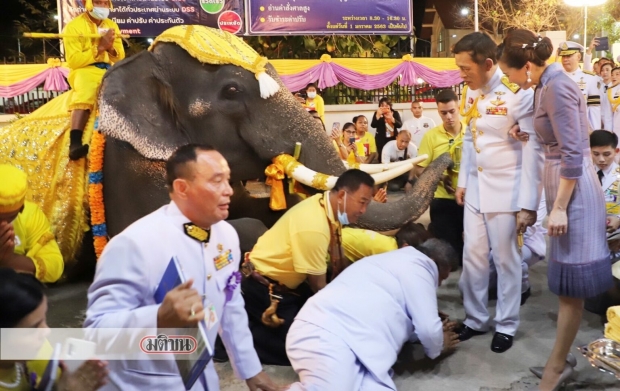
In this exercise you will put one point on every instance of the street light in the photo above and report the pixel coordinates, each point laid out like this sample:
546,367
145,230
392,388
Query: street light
575,36
585,4
465,11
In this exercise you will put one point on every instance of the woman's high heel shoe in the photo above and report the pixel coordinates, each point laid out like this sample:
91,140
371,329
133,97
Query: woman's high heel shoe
566,374
538,371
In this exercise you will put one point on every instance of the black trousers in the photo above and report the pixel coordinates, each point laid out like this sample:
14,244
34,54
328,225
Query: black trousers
270,342
447,223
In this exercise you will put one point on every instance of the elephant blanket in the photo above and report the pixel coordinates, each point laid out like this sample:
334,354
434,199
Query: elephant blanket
39,144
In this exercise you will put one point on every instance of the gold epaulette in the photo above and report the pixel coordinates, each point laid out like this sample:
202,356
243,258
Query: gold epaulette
589,73
511,86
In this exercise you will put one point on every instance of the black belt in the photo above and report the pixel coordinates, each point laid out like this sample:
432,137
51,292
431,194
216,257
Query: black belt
101,65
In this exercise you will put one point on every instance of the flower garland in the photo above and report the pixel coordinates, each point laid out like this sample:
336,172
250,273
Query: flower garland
95,190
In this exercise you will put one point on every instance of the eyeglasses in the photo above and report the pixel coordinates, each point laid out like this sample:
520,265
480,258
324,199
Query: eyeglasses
350,131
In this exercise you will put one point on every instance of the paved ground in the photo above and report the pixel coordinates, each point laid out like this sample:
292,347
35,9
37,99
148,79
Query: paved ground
473,367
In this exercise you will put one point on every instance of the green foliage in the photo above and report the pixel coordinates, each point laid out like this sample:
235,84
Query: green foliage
603,20
313,46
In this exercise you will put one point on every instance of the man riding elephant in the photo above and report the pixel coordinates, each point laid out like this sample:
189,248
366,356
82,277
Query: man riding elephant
89,58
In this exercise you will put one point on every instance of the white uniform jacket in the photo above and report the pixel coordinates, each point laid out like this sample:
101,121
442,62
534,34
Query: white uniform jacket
127,276
598,106
499,173
379,303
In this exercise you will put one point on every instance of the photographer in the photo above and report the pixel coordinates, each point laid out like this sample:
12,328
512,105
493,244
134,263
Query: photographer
387,122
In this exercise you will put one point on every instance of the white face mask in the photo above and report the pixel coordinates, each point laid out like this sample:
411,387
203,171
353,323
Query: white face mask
311,95
100,13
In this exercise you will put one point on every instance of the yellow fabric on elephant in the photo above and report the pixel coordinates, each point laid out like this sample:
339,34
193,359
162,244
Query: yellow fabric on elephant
81,53
38,145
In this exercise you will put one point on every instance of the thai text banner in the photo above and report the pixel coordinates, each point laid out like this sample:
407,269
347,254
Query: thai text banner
149,18
349,17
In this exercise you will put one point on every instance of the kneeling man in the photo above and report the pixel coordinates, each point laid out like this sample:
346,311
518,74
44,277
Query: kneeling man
348,335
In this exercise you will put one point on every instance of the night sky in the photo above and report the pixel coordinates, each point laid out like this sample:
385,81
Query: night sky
10,11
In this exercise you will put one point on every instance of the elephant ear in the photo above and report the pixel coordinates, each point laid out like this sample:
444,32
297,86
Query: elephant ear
137,105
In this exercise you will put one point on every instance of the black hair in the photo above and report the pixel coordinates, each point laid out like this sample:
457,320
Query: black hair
611,65
480,46
348,125
521,46
20,294
446,96
603,138
177,164
357,117
413,234
311,85
386,100
352,180
441,252
615,69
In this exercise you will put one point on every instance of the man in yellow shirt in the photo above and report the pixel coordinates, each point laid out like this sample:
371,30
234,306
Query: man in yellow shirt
446,214
27,243
289,262
361,243
88,59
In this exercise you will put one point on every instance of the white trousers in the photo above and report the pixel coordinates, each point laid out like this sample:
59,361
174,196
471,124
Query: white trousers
528,259
324,362
484,231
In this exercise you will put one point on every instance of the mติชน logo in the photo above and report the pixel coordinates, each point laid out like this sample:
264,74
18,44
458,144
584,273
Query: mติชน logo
166,344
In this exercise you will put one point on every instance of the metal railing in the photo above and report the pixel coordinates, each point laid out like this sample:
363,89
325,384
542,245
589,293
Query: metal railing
27,103
341,94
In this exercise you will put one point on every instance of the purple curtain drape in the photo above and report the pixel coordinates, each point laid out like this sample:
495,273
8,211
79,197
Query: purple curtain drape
329,74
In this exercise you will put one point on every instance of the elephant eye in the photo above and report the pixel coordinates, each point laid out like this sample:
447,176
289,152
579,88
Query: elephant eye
230,91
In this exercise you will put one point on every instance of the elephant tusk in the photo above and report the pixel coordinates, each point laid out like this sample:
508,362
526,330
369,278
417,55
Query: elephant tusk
320,181
375,168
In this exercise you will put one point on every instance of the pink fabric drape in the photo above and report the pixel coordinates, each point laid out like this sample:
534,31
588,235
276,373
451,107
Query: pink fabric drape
329,74
53,79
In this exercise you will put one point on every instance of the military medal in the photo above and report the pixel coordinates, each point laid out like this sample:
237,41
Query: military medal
497,110
223,259
582,84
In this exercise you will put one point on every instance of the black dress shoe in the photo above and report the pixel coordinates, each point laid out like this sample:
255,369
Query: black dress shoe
467,332
501,342
526,295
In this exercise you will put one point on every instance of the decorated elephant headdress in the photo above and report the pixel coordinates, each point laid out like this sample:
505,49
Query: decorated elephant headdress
218,47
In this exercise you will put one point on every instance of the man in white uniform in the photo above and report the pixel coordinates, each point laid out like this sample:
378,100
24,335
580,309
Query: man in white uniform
499,178
348,335
598,107
190,228
419,124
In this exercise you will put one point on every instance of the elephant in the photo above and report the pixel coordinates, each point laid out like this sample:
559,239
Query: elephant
155,101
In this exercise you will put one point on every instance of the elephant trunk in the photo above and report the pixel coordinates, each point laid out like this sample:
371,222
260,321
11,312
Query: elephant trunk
392,215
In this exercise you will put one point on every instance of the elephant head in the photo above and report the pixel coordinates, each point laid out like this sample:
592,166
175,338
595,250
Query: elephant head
154,102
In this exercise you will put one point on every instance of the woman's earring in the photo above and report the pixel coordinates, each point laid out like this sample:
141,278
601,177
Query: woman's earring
529,76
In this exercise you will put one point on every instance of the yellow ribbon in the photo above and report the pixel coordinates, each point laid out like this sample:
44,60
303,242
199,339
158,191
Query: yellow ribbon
54,62
408,58
275,175
326,58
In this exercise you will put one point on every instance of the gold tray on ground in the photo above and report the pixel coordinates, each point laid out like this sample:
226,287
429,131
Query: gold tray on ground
603,354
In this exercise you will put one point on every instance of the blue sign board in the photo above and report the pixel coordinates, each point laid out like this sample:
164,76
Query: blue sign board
149,18
326,17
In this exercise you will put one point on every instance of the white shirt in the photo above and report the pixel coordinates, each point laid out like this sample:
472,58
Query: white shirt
391,153
379,303
418,128
591,86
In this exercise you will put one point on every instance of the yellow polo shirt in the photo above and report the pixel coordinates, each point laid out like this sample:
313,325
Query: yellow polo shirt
297,244
35,240
366,145
360,243
435,143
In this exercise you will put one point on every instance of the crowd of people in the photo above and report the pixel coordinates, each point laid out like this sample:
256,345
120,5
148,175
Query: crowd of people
528,140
